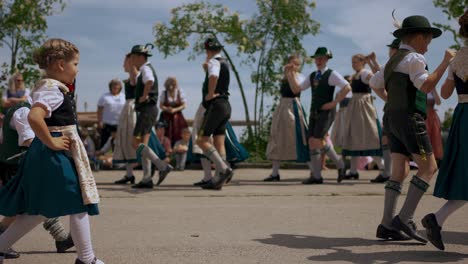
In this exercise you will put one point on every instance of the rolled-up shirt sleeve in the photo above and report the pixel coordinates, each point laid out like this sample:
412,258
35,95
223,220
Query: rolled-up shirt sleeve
417,70
20,123
51,99
305,84
337,80
214,67
147,74
377,81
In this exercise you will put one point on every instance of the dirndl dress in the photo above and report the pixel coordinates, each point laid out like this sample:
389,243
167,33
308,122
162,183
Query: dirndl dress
288,134
452,181
123,150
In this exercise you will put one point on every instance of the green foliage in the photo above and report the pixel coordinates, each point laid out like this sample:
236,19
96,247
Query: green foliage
453,9
23,25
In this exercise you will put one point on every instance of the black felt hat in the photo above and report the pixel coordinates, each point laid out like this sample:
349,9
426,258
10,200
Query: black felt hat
212,44
395,44
142,49
416,24
322,52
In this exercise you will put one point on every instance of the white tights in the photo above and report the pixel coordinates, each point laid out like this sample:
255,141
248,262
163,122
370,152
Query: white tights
79,227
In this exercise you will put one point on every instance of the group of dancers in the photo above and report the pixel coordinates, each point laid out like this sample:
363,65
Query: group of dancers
54,179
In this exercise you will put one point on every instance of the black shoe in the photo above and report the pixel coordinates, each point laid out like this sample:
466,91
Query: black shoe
200,183
126,179
380,179
77,261
210,186
228,180
311,180
272,178
10,254
351,176
341,175
163,174
410,229
143,185
389,234
218,185
433,231
63,246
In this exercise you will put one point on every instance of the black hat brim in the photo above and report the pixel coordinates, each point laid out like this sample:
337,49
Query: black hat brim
324,55
402,31
142,53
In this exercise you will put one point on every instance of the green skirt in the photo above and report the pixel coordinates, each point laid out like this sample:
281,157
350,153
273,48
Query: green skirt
452,181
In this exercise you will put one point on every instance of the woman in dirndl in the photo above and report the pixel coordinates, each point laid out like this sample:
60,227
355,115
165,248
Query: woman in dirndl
338,131
288,133
433,125
362,128
452,181
124,153
172,101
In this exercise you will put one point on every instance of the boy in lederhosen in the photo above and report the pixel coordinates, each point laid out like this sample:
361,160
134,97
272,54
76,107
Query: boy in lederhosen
218,112
322,113
146,97
407,81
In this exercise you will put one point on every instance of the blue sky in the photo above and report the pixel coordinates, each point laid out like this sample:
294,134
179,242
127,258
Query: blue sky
105,31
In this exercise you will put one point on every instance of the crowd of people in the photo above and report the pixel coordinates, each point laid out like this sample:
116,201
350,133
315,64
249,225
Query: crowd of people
48,175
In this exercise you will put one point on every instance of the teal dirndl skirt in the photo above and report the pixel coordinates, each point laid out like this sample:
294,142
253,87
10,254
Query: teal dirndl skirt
46,184
452,181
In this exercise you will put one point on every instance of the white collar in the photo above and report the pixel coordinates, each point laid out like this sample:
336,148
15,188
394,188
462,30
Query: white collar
217,56
408,47
146,63
323,70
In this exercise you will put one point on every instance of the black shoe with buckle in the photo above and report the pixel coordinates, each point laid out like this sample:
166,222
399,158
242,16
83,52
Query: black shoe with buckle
380,179
143,185
351,176
311,180
433,231
163,174
126,179
10,254
341,175
389,234
272,178
200,183
63,246
409,229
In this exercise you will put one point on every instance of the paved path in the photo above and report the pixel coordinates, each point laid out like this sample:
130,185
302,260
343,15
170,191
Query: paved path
249,221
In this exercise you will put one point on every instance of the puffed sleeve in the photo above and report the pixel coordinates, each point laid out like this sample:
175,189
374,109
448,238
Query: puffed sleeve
183,99
366,75
147,74
377,81
49,97
20,123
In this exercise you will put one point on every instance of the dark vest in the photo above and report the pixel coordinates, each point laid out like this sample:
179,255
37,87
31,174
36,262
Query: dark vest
18,94
322,92
460,85
358,86
403,96
222,86
286,91
64,115
9,147
129,90
140,87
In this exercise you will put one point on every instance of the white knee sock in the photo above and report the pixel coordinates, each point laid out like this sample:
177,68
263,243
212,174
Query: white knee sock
146,166
129,167
206,165
275,166
148,153
81,235
447,209
354,165
20,227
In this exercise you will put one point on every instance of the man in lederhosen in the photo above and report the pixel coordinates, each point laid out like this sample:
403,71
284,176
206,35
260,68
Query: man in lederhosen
406,82
143,77
218,112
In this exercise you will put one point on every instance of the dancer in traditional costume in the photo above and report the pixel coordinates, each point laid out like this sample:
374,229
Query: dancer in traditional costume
146,97
362,127
58,152
288,133
322,113
124,151
405,82
452,181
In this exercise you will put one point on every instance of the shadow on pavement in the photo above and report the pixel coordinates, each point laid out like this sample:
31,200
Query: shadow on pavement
389,257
